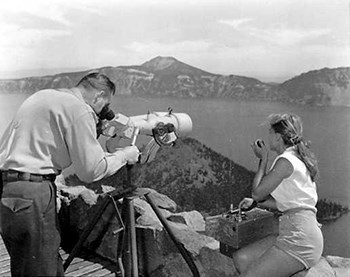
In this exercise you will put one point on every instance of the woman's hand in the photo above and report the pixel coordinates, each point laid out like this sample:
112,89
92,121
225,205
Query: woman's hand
260,149
247,204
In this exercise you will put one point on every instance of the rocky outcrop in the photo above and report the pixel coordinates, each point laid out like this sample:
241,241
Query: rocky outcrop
157,253
340,265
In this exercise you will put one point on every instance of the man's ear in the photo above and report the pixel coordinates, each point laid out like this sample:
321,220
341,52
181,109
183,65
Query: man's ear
279,137
98,96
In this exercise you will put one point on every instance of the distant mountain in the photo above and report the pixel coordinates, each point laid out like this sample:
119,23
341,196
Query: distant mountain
16,74
169,66
321,87
166,76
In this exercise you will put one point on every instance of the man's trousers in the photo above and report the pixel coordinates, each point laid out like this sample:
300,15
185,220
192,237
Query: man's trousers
29,228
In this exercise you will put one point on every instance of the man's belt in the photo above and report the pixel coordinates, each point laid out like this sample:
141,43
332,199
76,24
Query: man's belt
13,176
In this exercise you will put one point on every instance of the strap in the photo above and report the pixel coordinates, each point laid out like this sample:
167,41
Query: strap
13,176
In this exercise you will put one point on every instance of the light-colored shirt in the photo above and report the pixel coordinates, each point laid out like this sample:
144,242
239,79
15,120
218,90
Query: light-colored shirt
298,190
52,130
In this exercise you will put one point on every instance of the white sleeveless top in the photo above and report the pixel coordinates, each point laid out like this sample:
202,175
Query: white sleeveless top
298,190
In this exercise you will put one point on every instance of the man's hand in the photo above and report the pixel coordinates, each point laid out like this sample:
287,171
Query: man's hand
132,154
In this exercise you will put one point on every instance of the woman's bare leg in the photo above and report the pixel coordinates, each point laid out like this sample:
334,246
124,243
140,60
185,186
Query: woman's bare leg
274,262
246,255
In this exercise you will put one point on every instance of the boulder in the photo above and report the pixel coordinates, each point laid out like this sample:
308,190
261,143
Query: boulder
340,265
162,258
321,269
157,253
338,262
192,219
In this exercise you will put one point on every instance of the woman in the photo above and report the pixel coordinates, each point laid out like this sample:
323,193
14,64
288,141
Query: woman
289,187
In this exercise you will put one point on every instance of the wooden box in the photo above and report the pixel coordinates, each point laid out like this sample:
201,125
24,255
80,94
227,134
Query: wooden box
255,224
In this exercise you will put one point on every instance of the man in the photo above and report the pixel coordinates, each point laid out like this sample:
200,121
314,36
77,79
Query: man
52,130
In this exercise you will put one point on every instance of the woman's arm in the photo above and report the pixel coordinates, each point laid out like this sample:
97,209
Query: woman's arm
263,185
269,203
260,173
249,203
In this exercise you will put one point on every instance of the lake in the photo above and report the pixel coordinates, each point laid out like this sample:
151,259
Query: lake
229,127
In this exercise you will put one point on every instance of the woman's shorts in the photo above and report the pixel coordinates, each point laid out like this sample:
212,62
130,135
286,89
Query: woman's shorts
300,236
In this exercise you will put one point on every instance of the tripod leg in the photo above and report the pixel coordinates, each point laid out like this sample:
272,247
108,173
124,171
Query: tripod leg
75,251
180,247
85,234
130,254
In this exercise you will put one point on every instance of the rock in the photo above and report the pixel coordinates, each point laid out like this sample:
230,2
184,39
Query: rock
79,207
162,258
216,264
192,240
67,194
162,201
322,269
193,219
337,262
147,217
157,253
209,264
340,265
172,266
341,272
211,225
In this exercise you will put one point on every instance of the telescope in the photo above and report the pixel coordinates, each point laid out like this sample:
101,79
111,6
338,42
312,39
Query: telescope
163,127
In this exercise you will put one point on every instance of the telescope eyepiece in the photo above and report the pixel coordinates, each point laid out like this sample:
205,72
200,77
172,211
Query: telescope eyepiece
170,127
164,134
161,129
106,113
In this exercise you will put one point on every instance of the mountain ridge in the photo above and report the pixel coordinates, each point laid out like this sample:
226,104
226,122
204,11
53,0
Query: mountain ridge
167,76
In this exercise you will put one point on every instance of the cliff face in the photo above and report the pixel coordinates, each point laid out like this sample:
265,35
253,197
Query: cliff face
323,87
166,76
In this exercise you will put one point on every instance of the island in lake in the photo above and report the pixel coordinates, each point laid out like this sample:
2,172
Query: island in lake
329,211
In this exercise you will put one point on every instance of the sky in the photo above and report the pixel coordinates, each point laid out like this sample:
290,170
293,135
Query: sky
271,40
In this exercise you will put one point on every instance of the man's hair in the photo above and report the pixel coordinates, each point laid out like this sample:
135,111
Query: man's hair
98,81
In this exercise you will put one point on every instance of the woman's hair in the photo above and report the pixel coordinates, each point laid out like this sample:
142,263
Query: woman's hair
98,81
291,129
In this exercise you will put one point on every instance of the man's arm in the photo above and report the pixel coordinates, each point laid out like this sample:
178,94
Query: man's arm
90,162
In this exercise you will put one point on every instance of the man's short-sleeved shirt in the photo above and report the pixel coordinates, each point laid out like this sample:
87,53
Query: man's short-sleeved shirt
52,130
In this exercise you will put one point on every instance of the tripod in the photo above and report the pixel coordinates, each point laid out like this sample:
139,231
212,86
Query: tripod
128,266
